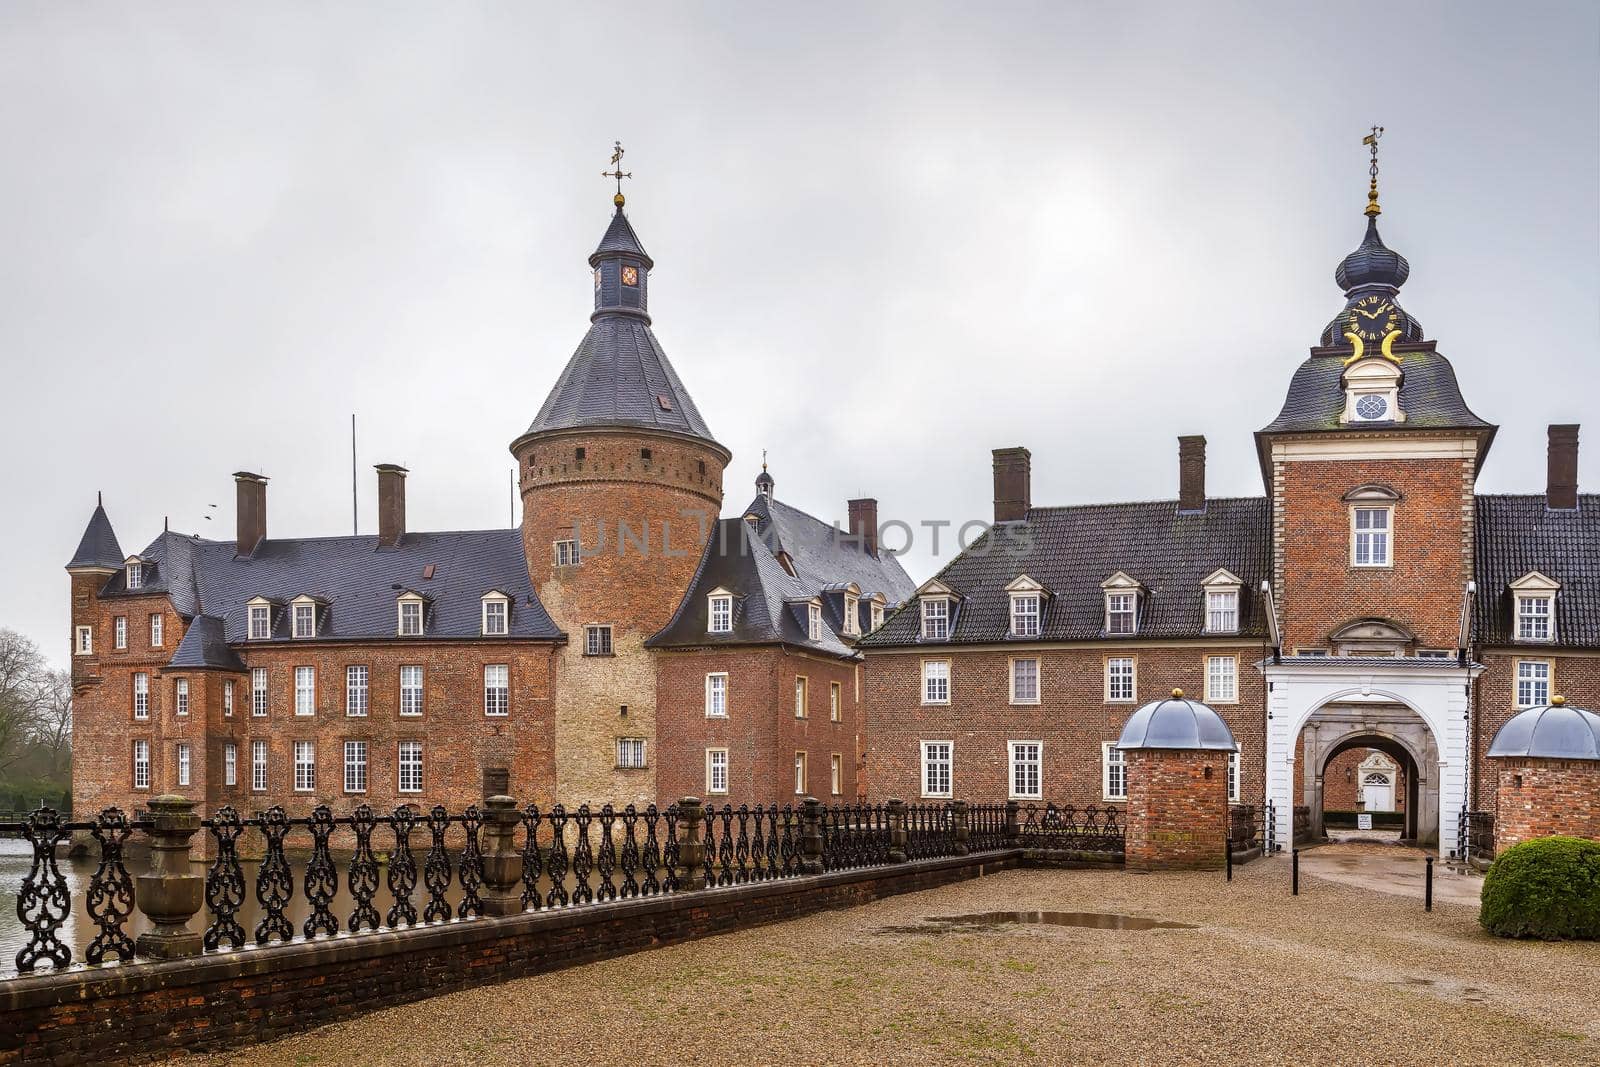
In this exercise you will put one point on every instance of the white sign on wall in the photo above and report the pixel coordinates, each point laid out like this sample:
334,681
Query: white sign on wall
1364,820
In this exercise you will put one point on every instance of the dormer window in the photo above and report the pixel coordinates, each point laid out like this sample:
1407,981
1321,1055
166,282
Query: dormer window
814,621
852,614
876,613
410,607
936,618
260,610
1221,591
304,616
135,572
721,614
1535,597
1027,606
1122,604
496,614
1372,392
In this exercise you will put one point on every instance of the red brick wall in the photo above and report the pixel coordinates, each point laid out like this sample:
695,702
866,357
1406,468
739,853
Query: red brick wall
1317,587
1341,782
1576,677
1177,809
1071,721
761,732
1540,797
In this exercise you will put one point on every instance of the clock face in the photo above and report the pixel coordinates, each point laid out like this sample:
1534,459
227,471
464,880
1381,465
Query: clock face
1373,317
1372,406
630,275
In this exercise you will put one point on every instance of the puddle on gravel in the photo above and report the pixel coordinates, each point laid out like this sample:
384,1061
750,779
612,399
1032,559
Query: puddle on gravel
944,924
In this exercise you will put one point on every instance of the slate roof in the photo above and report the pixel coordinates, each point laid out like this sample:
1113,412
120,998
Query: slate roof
615,379
1518,534
357,581
1072,550
1429,396
204,644
742,557
98,546
620,239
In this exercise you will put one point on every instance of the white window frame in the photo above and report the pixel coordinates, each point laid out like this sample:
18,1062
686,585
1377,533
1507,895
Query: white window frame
180,697
1531,589
1234,777
408,767
802,697
835,702
134,572
717,695
937,755
597,640
305,766
1538,682
1027,614
305,691
1020,759
258,766
258,693
157,629
852,614
407,710
814,622
355,766
259,618
83,642
303,617
801,772
141,764
1221,695
496,680
1120,604
1113,757
713,767
936,683
876,614
141,695
227,699
566,553
936,618
1372,534
496,615
720,613
230,764
357,691
1038,695
411,616
632,753
1111,695
119,632
185,764
1222,611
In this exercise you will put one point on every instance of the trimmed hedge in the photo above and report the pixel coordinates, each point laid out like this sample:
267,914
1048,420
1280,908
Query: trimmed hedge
1547,888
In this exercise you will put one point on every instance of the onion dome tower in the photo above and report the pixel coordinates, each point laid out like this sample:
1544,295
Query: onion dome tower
621,484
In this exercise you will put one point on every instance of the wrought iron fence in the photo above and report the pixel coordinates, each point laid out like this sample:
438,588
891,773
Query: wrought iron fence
930,831
1088,829
855,835
986,827
750,844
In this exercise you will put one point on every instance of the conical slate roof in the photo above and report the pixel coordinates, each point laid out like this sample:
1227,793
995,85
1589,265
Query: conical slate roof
98,547
620,240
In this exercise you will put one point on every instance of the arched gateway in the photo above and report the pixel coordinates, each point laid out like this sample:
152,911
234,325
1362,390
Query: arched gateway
1417,707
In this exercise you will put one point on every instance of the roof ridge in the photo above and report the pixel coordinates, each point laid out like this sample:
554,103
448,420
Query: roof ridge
1143,503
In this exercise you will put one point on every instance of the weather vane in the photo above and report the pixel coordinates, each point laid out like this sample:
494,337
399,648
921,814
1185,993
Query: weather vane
1370,140
617,171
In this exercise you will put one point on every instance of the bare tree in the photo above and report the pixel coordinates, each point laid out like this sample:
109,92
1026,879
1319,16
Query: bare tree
21,666
52,718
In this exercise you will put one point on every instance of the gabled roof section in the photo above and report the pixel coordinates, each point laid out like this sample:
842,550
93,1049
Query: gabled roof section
1072,550
1517,535
98,547
205,647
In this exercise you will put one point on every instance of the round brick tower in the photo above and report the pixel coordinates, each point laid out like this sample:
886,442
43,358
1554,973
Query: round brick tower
621,482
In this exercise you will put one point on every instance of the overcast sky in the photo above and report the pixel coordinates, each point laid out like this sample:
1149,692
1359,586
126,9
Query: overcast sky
888,239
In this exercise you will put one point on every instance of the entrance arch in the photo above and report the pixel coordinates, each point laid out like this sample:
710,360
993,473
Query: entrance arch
1433,691
1399,734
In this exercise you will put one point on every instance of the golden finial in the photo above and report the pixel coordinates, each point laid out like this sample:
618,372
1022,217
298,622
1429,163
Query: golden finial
617,172
1177,694
763,459
1371,141
1558,701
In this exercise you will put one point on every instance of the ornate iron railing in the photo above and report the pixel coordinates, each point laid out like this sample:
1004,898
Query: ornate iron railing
986,827
855,835
1088,829
750,844
930,831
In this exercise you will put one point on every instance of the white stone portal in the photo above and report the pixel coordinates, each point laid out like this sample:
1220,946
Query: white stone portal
1437,690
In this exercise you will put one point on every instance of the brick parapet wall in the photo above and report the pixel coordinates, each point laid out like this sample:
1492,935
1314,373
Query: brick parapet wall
1540,797
147,1011
1177,809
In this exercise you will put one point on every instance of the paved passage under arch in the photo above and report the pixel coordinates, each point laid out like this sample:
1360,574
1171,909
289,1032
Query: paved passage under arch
1394,869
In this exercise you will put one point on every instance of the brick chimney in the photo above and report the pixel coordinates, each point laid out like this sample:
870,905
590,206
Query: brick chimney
391,503
251,511
1562,484
864,524
1192,473
1013,489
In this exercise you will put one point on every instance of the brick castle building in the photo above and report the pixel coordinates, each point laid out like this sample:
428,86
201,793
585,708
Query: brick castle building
1370,600
625,645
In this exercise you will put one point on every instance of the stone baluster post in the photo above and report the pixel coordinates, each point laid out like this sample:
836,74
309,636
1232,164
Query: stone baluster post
1013,824
171,894
502,863
811,836
897,831
963,830
691,848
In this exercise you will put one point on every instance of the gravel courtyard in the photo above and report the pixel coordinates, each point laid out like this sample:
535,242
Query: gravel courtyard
1340,974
